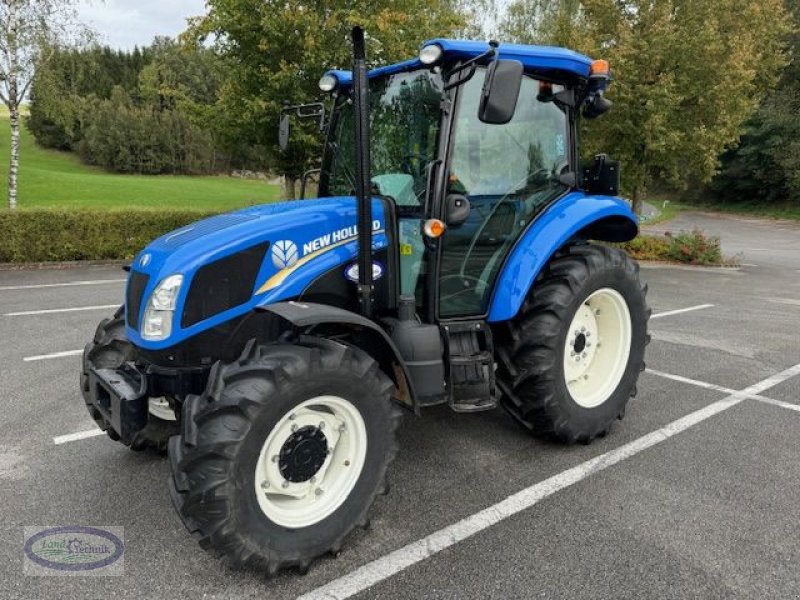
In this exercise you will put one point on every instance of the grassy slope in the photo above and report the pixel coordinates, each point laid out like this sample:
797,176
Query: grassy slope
51,179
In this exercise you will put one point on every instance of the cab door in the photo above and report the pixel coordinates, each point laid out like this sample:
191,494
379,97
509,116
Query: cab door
509,174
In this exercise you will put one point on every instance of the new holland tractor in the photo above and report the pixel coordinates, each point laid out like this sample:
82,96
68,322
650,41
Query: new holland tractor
449,259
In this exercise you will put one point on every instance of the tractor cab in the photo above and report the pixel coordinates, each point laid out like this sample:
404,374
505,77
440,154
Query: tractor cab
468,145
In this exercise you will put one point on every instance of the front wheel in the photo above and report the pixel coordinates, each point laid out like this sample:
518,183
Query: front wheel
284,453
571,359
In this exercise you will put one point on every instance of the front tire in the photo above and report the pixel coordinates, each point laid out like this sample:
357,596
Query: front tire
571,359
284,453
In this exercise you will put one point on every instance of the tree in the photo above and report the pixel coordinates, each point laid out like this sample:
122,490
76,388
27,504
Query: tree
765,167
687,74
27,27
278,49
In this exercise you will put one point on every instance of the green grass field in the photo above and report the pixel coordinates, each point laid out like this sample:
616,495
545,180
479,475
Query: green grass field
51,179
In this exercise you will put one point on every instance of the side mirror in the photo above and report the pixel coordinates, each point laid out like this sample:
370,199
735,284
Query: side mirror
283,131
597,106
456,210
500,92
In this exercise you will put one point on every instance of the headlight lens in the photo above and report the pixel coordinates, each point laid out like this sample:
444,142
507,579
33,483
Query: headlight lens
430,54
328,83
161,308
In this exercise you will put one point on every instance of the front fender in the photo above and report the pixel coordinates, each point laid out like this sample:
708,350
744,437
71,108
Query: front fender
576,215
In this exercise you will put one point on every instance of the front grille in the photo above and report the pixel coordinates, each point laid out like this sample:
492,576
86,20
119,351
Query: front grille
223,284
137,283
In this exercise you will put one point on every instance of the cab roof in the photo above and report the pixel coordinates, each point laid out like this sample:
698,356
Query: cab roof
536,60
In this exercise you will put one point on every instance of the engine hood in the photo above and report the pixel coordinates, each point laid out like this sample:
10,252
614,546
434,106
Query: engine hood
295,241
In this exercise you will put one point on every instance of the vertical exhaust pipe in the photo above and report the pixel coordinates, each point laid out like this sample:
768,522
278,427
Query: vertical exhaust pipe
363,176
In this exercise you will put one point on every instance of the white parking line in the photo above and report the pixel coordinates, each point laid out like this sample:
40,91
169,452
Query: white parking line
50,311
669,313
780,403
74,437
382,568
54,355
38,286
682,379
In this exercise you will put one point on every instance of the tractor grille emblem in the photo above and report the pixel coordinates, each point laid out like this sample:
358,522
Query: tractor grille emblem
284,254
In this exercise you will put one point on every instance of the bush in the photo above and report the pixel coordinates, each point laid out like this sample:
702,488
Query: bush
59,235
694,247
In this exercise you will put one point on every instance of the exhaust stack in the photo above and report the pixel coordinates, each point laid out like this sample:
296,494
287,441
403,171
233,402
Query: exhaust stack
363,177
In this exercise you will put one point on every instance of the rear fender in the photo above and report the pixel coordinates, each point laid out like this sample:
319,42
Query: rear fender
576,216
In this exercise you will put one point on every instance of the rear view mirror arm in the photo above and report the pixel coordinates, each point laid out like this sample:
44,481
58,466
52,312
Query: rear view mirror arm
471,66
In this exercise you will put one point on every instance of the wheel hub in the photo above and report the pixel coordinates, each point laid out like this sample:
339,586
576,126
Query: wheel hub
580,343
303,454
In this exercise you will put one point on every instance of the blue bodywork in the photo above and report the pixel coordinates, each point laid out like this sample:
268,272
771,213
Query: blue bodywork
548,233
324,232
535,59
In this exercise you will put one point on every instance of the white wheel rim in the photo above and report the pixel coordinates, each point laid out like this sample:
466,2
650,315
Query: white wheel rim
597,348
297,504
160,408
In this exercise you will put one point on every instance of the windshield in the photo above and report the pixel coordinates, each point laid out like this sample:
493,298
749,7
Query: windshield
405,117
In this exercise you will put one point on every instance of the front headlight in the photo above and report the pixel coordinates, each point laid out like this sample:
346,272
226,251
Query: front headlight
157,323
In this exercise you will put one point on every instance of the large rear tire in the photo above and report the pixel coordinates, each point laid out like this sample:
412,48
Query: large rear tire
571,358
109,349
284,453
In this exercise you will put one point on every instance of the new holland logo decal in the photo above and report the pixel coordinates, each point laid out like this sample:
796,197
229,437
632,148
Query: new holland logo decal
286,256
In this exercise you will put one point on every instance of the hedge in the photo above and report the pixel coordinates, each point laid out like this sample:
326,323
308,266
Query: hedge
31,236
61,235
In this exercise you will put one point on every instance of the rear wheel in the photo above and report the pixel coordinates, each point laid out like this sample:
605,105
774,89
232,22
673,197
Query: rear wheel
284,453
109,349
571,359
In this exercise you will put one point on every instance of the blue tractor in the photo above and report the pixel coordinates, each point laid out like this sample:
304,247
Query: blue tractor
449,259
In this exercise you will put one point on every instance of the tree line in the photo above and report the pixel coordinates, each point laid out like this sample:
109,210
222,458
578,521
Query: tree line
148,111
706,92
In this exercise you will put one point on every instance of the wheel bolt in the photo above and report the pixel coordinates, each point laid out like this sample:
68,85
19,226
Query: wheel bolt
577,359
572,353
264,485
319,491
285,484
588,344
583,355
292,417
275,458
342,428
586,377
583,329
597,312
294,428
313,480
588,334
321,425
577,333
347,463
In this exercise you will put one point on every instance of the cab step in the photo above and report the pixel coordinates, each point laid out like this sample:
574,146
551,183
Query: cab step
470,366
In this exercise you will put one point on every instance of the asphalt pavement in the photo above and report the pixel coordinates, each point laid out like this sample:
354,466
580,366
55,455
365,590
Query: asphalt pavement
692,495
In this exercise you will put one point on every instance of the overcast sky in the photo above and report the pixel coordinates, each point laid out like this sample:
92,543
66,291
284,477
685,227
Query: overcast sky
129,23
